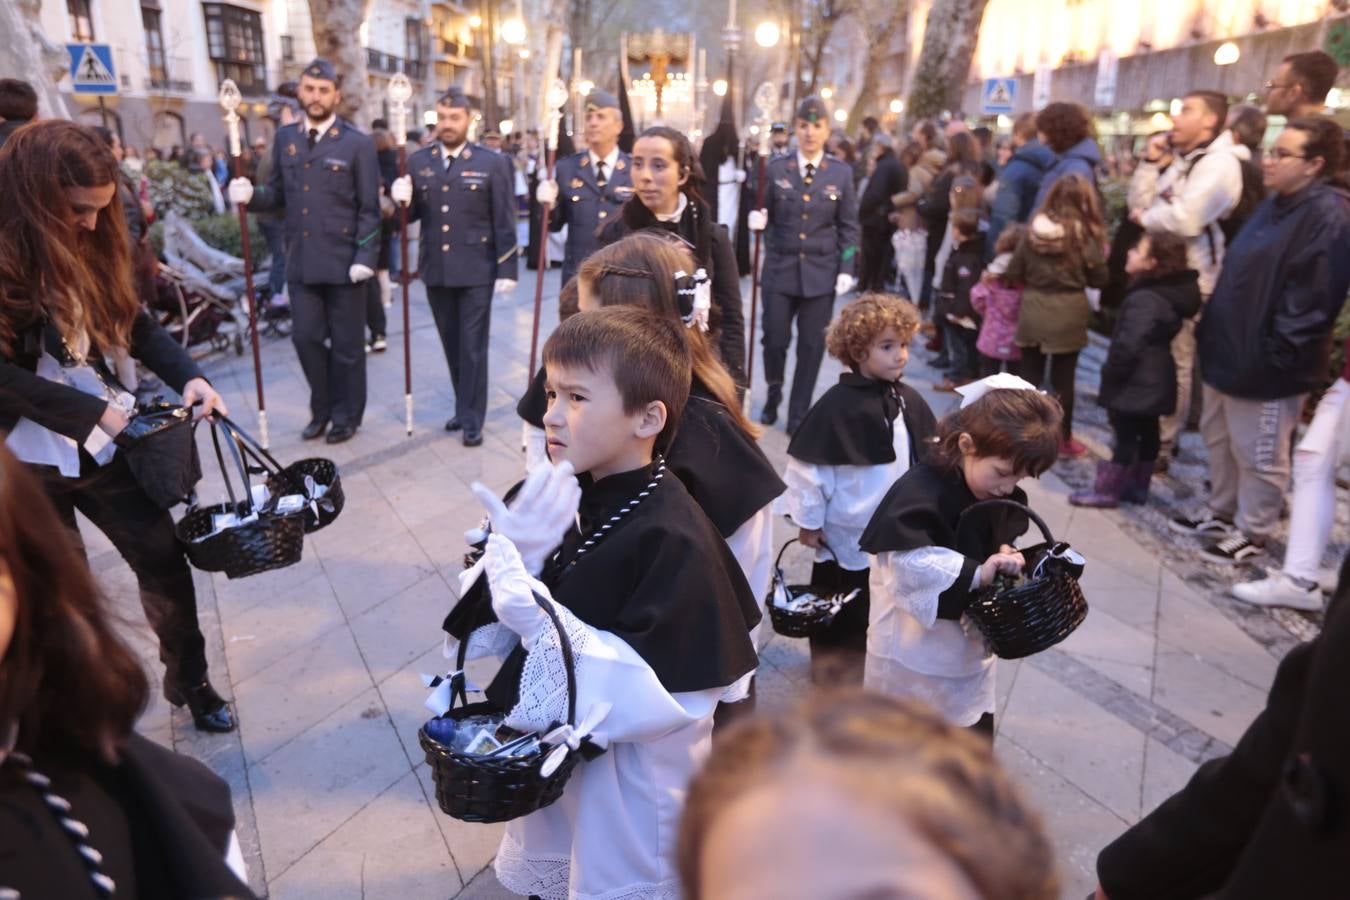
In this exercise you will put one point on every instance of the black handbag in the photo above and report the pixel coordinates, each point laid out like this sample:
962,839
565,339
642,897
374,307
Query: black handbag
160,448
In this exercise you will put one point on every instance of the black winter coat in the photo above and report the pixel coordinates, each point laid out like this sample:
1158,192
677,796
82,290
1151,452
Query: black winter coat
1139,377
1270,819
964,266
890,178
1266,331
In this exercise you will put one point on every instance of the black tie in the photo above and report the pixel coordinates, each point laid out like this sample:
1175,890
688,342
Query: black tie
810,173
313,137
600,174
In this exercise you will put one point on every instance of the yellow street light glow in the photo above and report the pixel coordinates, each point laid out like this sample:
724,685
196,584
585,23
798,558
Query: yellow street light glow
720,87
506,126
767,34
586,87
513,31
475,21
525,53
1227,54
840,116
826,93
897,106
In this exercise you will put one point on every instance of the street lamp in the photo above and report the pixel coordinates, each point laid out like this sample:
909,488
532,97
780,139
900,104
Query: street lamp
897,106
720,87
513,31
1227,54
840,116
475,21
826,93
767,34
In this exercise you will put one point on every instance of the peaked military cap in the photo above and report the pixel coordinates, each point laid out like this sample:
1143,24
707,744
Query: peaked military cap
492,133
321,68
598,99
812,109
455,98
778,126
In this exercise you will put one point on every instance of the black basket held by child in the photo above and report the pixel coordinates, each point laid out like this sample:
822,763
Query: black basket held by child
481,777
1020,617
802,610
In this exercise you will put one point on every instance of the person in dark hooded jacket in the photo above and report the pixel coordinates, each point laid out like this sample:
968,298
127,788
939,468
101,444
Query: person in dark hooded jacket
1139,377
1067,131
1265,338
1020,181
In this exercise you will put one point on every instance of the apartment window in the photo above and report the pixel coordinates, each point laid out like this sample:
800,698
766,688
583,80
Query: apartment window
287,48
235,44
81,21
416,37
154,46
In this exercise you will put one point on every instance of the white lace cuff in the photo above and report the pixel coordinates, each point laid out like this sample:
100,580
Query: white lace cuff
921,576
543,678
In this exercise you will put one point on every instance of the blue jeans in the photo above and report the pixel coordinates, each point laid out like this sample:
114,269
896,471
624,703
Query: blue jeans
273,229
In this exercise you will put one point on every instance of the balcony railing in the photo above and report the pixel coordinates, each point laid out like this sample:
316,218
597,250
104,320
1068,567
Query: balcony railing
388,64
170,77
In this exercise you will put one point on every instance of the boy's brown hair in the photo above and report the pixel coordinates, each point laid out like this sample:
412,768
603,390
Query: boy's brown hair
647,356
898,755
1168,252
966,222
1021,426
862,322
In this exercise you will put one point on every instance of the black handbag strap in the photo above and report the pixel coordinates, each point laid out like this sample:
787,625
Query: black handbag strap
458,684
1012,504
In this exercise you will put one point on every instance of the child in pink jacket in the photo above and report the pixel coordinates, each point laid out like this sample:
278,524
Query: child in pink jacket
998,302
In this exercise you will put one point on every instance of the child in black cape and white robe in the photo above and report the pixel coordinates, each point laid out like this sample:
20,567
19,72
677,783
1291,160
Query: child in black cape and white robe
928,563
856,440
658,615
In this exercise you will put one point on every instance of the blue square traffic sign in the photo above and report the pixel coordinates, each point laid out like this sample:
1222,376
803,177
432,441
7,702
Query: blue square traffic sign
91,69
998,96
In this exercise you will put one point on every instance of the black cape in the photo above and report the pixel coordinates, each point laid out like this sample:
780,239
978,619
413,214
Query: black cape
922,509
853,424
721,467
662,580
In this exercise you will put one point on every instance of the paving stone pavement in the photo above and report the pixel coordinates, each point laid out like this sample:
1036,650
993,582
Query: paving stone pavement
322,659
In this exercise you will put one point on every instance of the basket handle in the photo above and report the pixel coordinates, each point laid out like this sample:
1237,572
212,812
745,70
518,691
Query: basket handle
1003,501
458,683
251,447
777,561
224,470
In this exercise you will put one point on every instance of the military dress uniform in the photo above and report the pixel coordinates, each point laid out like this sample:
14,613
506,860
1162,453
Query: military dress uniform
466,203
585,204
329,186
811,238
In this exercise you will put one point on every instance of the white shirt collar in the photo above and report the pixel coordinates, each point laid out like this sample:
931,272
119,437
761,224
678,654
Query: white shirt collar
802,160
453,154
321,127
679,210
610,158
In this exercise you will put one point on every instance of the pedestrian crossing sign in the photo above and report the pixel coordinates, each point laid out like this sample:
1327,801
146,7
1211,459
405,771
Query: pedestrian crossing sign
91,69
999,96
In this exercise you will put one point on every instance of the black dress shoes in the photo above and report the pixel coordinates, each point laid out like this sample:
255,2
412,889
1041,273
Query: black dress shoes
314,429
341,433
453,425
770,413
209,710
473,438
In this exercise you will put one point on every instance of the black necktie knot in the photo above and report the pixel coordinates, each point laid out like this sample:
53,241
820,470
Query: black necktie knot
600,174
810,173
313,137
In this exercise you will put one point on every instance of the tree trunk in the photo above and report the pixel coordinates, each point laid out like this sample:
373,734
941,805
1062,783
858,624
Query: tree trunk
949,41
31,56
882,19
337,38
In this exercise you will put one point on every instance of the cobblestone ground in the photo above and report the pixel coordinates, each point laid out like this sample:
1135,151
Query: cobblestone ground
322,659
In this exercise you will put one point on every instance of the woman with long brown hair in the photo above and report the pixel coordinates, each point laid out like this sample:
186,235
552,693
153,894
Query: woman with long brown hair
88,808
69,320
668,196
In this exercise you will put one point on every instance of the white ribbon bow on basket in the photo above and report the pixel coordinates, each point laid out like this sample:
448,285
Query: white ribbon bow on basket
438,701
565,738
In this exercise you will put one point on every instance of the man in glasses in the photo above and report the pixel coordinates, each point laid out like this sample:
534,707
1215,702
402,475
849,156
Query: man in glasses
1300,85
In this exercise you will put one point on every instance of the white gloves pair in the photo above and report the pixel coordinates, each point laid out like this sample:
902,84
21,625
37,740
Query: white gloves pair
757,219
400,191
240,191
843,283
359,273
503,285
513,591
538,517
547,192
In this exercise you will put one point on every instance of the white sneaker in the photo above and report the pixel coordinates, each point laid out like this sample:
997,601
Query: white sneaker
1278,589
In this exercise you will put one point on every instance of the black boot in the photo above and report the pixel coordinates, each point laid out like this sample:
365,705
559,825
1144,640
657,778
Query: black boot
770,413
209,710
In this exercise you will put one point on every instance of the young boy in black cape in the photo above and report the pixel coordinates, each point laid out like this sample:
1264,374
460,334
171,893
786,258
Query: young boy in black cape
858,438
655,607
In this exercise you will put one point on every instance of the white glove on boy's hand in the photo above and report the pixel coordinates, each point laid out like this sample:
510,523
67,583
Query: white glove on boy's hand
359,273
240,191
503,285
757,219
740,176
513,590
400,191
539,515
843,284
547,192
